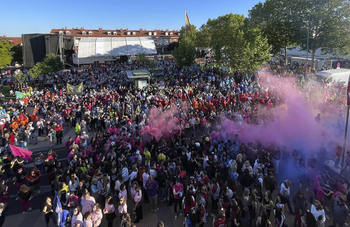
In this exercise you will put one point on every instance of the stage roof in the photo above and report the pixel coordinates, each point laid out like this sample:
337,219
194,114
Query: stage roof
115,46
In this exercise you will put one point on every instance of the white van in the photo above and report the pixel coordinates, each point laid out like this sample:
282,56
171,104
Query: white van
335,76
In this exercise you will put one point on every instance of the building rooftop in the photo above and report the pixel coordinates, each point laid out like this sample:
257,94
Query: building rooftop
81,32
13,40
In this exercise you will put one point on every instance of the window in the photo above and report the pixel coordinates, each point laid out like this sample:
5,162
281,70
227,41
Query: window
166,33
67,32
60,32
114,33
171,33
83,32
108,33
133,33
128,33
90,32
154,33
149,33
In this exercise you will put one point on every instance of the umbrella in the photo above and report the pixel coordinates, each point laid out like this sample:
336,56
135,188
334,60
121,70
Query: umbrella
21,152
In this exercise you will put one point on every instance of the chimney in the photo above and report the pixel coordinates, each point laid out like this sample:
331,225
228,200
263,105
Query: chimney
82,29
99,29
65,28
141,31
121,32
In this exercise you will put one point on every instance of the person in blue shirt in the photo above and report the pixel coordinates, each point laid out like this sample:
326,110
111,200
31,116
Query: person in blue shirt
23,144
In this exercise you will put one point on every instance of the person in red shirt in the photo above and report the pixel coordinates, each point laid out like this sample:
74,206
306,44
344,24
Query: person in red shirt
220,219
52,155
189,202
59,133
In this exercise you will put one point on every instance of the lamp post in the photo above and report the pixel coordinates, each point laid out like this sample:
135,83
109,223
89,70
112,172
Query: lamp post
307,46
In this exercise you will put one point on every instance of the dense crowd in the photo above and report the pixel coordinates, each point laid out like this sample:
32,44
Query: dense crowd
155,144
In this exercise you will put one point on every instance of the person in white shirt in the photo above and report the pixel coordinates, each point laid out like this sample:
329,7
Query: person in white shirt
138,204
285,193
133,175
318,212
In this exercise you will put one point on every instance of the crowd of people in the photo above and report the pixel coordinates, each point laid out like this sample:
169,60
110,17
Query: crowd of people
156,145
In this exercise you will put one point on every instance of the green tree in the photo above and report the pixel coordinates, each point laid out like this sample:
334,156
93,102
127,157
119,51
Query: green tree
203,37
191,35
5,52
37,70
20,77
17,54
238,42
141,58
185,54
51,64
279,23
328,23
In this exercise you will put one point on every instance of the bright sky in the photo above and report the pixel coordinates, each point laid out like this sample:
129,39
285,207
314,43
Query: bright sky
40,16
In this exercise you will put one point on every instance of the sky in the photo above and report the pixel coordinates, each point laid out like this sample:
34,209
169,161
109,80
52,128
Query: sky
40,16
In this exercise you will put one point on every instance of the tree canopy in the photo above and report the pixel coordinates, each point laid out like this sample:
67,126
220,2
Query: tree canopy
17,54
235,41
51,64
278,23
5,52
288,23
185,54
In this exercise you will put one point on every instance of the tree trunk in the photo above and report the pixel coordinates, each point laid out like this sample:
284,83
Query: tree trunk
313,60
285,57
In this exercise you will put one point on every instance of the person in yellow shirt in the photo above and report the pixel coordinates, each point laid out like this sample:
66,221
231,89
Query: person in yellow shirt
161,157
147,155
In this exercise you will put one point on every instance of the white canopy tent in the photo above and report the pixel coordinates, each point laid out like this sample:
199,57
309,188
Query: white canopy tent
115,46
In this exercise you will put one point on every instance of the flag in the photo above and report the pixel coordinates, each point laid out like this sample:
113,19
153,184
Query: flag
71,89
187,22
348,92
21,152
58,204
23,118
261,74
19,95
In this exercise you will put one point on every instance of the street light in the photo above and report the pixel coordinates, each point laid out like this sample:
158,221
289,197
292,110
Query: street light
307,46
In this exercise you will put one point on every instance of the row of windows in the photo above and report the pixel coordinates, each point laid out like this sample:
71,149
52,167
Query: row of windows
114,33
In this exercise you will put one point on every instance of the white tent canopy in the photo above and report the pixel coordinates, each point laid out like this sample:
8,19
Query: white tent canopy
115,46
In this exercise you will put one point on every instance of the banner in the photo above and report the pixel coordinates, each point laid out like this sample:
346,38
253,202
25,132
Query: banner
75,89
19,95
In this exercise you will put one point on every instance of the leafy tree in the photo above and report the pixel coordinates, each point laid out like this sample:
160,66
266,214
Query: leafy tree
141,58
191,35
5,52
51,64
17,54
235,41
328,23
185,54
20,77
203,37
278,22
37,70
